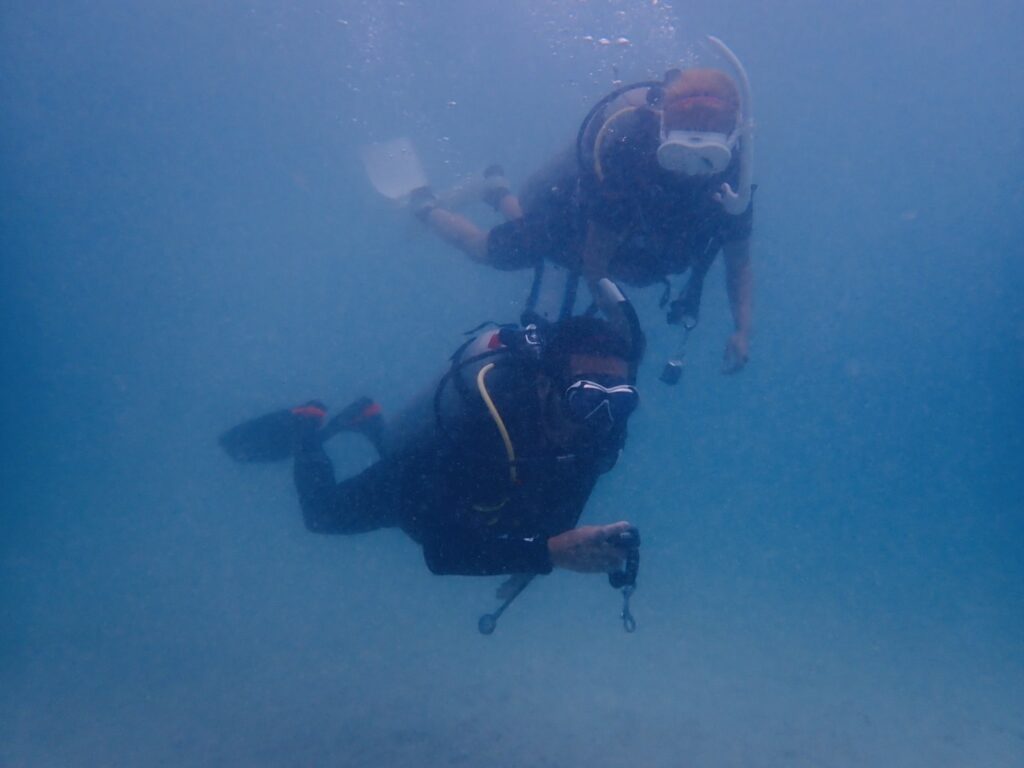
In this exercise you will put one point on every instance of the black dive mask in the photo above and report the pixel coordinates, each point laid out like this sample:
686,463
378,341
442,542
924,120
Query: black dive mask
600,407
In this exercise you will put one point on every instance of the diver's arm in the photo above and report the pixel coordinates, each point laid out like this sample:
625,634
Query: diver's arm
590,548
459,550
465,552
739,283
454,548
587,549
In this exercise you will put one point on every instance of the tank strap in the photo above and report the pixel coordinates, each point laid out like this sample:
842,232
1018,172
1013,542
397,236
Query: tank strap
544,291
685,309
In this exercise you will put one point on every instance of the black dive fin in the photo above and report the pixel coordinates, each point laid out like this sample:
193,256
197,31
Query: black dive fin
266,438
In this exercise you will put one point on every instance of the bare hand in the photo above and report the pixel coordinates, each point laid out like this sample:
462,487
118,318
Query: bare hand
737,352
589,549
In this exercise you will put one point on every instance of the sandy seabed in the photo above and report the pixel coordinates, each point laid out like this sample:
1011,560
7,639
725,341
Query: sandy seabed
404,680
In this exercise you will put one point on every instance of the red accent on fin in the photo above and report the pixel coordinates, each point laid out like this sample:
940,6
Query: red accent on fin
373,409
309,412
495,341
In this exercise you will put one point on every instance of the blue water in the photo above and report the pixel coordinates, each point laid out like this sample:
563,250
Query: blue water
832,571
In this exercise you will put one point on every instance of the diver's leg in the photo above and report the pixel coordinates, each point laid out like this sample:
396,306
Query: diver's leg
454,228
364,416
362,503
498,194
459,231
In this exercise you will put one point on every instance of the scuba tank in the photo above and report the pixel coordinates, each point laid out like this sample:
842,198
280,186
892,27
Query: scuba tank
464,388
471,364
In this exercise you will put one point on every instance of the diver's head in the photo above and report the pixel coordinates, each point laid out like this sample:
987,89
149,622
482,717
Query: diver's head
585,385
701,114
689,126
700,100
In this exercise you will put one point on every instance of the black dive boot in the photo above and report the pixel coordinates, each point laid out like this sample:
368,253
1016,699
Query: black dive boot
274,436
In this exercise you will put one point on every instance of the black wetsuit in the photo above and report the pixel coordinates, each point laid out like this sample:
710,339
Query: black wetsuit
451,487
664,229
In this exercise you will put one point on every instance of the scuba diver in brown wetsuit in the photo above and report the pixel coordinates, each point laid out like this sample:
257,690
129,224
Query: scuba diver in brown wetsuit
657,184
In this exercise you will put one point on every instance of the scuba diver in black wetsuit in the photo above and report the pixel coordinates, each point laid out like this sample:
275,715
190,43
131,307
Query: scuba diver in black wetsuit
490,472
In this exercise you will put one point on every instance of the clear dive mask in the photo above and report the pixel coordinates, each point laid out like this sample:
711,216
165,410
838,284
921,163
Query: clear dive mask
695,153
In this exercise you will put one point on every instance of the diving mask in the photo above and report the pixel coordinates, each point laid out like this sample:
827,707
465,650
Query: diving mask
598,406
695,153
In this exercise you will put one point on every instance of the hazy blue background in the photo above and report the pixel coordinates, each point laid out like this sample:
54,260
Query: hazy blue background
832,569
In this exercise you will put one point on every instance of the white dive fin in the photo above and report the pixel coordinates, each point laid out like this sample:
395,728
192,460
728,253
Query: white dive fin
393,168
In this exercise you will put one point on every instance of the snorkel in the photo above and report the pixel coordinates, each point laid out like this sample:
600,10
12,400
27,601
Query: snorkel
736,201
